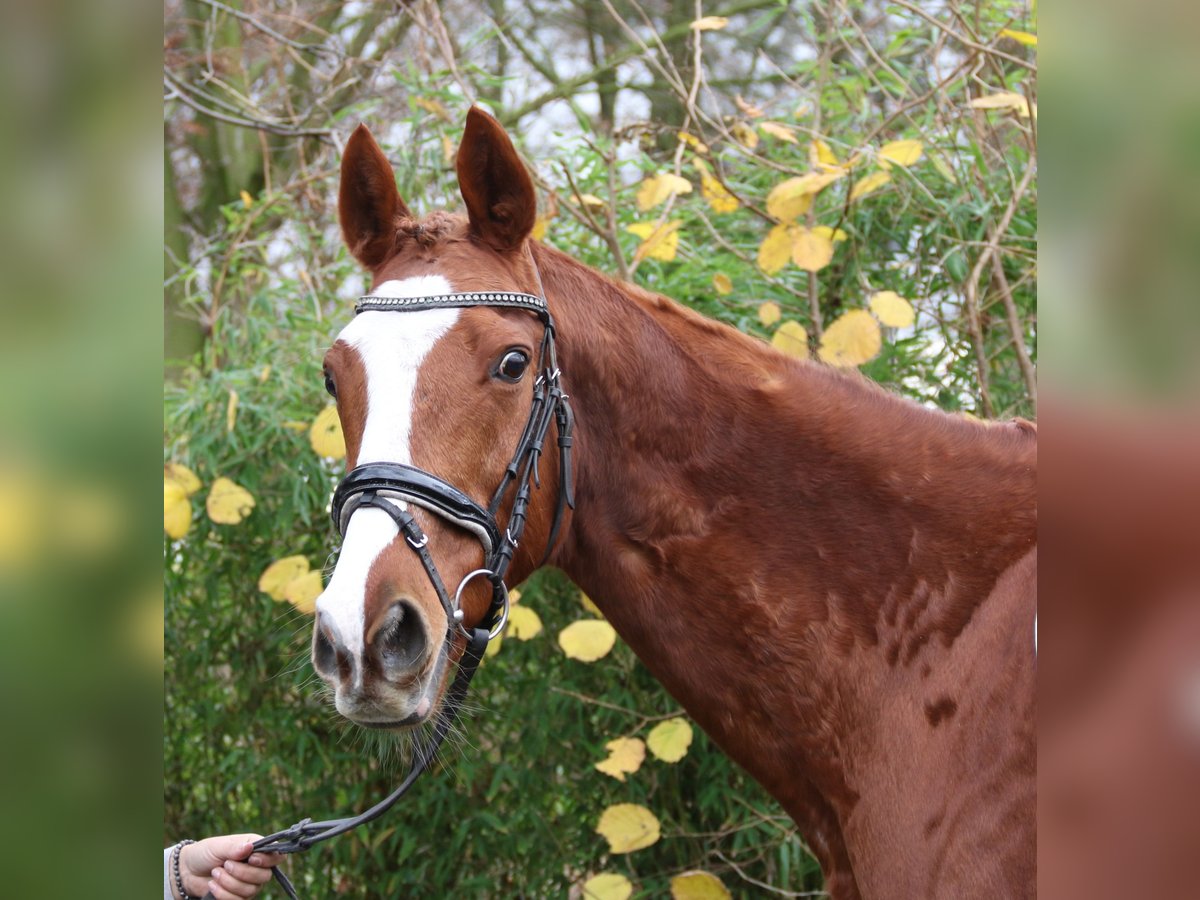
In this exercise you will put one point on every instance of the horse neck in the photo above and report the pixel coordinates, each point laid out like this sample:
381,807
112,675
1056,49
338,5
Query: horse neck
756,527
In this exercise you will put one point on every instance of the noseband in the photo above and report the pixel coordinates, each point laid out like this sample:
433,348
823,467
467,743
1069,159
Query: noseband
393,487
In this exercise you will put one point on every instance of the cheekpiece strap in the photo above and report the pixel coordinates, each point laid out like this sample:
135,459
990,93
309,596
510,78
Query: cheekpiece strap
512,299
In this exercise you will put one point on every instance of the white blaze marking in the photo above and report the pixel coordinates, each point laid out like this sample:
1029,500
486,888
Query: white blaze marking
392,346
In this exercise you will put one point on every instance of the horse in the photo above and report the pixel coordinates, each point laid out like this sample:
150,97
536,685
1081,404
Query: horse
836,583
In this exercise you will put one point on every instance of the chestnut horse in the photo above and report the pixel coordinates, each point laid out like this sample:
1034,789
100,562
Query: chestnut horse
837,584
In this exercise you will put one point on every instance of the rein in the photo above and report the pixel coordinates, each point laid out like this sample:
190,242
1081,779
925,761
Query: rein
391,487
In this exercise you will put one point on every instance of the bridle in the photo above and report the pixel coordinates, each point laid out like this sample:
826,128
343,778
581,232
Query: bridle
392,487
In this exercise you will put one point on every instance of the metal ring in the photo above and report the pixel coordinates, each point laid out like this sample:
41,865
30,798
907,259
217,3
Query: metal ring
503,621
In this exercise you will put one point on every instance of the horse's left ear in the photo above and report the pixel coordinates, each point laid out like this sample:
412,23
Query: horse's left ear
494,183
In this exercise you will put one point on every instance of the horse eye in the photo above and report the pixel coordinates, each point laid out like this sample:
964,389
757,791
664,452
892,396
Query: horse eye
330,387
512,366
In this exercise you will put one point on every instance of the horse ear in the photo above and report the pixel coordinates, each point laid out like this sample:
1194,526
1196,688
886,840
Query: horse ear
494,183
368,202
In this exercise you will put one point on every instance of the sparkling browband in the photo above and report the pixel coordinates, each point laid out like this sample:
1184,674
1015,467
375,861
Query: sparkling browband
448,301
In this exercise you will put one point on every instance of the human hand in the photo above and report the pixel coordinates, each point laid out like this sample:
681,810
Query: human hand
225,866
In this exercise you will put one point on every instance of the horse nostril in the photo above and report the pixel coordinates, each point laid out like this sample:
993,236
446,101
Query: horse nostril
400,640
324,651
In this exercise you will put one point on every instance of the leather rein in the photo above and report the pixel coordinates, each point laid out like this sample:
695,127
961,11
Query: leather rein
393,487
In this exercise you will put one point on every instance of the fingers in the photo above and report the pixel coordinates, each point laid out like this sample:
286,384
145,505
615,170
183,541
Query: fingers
225,885
229,846
266,860
232,879
245,872
220,893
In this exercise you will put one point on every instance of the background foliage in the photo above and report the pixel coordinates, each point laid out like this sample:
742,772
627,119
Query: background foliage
259,97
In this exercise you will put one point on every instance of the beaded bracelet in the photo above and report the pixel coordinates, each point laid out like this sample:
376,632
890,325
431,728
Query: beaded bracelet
175,869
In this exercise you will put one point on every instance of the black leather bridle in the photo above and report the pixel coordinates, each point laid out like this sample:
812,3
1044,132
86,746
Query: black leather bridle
392,487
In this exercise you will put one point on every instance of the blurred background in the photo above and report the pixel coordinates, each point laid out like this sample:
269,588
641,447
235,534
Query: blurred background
255,100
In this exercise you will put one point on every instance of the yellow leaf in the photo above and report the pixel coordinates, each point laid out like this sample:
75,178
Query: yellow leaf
264,373
789,199
177,509
433,106
625,756
231,408
669,740
792,339
722,283
769,313
493,646
776,249
656,189
326,436
280,573
303,590
833,234
658,241
713,191
892,310
780,132
523,623
694,142
698,885
851,340
539,228
586,602
228,503
902,153
709,23
449,151
247,200
183,476
717,196
820,156
870,184
745,135
1021,37
628,827
1003,100
792,198
607,886
748,109
514,596
587,640
810,250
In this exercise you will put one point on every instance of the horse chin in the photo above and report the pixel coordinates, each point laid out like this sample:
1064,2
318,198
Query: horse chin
406,715
417,717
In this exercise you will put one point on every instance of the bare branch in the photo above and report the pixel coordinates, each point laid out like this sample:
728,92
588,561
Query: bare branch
266,29
176,90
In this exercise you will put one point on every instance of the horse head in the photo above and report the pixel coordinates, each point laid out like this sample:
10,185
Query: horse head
444,394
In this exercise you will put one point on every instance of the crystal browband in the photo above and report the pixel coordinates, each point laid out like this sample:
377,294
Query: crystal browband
373,302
